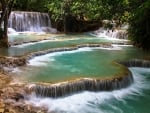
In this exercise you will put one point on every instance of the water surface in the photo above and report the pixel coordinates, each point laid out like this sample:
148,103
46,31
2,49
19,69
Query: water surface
134,99
84,62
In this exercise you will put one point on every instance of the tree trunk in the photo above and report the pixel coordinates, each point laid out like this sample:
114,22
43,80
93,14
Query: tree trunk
6,10
5,36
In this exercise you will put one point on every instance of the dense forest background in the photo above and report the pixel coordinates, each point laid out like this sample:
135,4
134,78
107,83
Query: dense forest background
136,13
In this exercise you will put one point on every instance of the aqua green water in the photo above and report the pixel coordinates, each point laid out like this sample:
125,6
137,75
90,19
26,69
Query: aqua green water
85,62
68,65
133,99
96,63
53,42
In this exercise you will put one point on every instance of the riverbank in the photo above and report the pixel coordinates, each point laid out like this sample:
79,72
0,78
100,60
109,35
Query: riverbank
8,94
13,98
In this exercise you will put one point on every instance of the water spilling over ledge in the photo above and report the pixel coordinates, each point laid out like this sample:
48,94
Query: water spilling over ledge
88,84
114,34
80,85
136,63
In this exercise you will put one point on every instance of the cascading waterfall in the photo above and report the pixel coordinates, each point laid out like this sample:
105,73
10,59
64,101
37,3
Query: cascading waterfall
118,34
128,100
29,21
136,63
86,84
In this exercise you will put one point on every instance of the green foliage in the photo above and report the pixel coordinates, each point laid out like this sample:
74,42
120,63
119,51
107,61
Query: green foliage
30,5
82,9
55,9
89,9
137,12
139,30
78,8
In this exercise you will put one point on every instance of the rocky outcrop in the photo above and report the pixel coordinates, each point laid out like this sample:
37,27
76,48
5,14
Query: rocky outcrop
12,61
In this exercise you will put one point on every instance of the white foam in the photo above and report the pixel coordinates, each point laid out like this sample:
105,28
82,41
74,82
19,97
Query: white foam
16,70
89,101
118,45
42,60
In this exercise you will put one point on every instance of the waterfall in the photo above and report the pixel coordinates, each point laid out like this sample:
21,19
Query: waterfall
136,63
29,21
88,84
118,34
85,84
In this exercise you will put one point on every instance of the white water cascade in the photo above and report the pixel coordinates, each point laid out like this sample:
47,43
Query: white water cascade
30,21
117,101
115,34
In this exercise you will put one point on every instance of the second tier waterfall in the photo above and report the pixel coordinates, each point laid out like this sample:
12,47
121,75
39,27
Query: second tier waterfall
29,21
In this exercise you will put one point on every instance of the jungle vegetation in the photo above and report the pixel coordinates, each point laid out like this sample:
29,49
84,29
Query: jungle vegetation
136,13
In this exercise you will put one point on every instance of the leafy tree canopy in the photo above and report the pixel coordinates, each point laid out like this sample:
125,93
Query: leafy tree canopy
88,9
139,30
